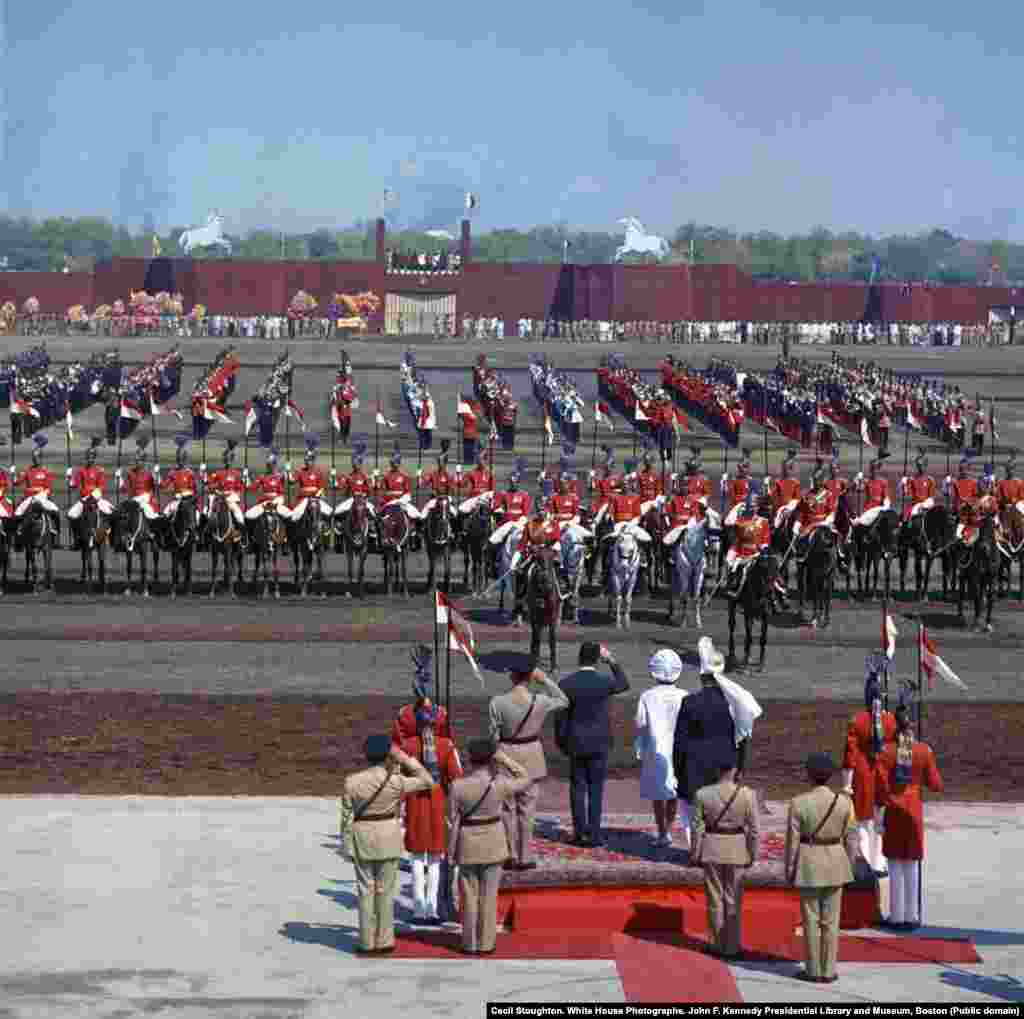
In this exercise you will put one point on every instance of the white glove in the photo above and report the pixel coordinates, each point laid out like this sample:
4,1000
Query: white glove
334,476
591,474
245,475
13,470
419,473
67,473
156,470
117,474
859,480
375,474
202,468
848,780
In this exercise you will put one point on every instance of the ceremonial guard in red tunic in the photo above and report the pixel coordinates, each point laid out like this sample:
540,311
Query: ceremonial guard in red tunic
513,506
139,484
565,503
476,486
753,535
919,490
356,482
785,491
902,769
441,483
181,480
649,483
625,506
312,483
6,508
869,732
876,493
605,487
345,401
735,490
270,489
697,483
91,482
37,483
396,487
1010,491
228,483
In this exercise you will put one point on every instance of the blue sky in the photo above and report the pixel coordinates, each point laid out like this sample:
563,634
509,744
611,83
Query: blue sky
895,118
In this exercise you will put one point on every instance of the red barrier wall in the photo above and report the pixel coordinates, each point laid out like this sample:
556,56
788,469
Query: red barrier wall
57,291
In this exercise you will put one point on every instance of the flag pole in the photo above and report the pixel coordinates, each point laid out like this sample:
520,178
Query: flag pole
448,669
376,435
725,471
764,424
67,448
906,461
120,433
437,656
593,447
920,679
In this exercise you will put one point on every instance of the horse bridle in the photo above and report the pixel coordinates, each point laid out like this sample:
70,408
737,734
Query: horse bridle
221,537
130,542
188,531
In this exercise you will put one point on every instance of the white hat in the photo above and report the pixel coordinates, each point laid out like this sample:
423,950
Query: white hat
711,660
665,665
742,705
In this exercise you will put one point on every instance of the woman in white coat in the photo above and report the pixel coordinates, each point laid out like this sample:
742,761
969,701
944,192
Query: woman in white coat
656,714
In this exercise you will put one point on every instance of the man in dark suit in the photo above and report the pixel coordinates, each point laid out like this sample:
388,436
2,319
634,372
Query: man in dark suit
584,734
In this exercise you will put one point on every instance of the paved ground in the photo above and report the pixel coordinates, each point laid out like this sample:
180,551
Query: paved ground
243,909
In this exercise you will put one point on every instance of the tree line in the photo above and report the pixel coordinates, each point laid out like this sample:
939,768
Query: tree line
937,256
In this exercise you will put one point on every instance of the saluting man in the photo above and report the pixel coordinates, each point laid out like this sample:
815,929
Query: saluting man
139,484
753,535
919,490
90,480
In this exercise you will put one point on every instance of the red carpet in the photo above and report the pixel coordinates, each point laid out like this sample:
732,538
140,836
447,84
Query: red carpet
652,971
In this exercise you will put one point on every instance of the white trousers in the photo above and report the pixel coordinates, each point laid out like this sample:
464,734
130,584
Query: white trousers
869,838
344,507
300,508
147,510
76,510
473,501
500,534
783,512
426,883
41,499
432,503
405,501
920,507
868,517
904,888
260,508
234,505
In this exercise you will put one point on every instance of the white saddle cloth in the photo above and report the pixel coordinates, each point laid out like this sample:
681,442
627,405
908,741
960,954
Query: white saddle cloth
634,528
344,507
783,512
300,508
868,517
473,501
499,535
405,501
920,507
432,503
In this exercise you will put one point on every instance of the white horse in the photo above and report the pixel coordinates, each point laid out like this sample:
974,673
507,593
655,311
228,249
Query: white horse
690,546
623,571
201,236
573,549
640,243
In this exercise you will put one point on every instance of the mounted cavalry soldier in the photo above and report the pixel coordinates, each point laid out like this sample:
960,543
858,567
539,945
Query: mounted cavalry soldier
395,486
986,505
139,484
626,507
753,536
270,489
964,490
91,481
735,490
37,482
919,490
312,483
356,482
876,493
605,487
477,485
6,509
539,533
512,505
817,509
1010,491
229,484
697,482
648,481
565,503
181,480
441,482
785,491
836,483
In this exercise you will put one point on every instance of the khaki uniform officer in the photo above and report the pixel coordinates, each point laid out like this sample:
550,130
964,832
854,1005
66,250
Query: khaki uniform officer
476,839
372,836
517,718
820,848
725,840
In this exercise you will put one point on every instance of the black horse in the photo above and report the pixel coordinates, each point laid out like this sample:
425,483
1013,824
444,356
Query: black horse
439,536
978,569
179,538
306,537
1011,547
225,541
658,566
5,552
269,537
135,535
38,534
817,574
755,598
394,532
476,535
600,550
783,543
94,528
543,603
354,535
930,536
875,545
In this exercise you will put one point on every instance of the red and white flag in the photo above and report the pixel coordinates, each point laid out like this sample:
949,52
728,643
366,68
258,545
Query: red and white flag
932,665
19,406
251,417
820,418
460,633
602,415
335,416
214,413
68,420
889,635
912,421
953,420
428,419
293,410
464,409
865,432
549,432
131,410
639,415
156,409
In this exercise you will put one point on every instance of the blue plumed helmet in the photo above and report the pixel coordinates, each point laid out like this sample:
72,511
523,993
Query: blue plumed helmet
396,455
547,487
519,469
40,441
312,443
609,457
272,457
358,454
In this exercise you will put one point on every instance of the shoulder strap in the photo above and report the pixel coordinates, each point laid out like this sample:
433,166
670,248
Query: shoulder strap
828,814
725,809
366,806
524,719
476,806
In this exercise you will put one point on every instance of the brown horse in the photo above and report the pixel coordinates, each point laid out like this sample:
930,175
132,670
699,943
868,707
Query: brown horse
659,571
395,530
95,531
1010,540
226,541
355,535
543,603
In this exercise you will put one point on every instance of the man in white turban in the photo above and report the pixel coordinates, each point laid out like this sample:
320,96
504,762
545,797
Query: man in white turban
656,714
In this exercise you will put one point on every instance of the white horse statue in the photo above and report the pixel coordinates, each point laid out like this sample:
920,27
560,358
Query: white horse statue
640,243
201,236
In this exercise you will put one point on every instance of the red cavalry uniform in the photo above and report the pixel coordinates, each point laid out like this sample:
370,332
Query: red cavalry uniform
404,726
357,483
904,817
476,482
860,758
604,490
837,487
268,486
471,422
88,479
393,485
736,490
426,823
681,509
537,535
649,484
516,505
565,507
876,492
36,481
140,481
345,396
440,482
1009,491
785,490
751,536
697,485
625,506
987,506
815,509
182,480
505,411
919,489
965,490
312,482
227,481
5,502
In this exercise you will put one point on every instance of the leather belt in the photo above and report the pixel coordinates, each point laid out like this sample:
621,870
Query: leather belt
379,817
520,741
725,831
820,842
473,822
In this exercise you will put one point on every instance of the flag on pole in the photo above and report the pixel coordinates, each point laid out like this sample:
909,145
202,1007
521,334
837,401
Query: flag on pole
251,417
428,419
156,409
953,420
865,432
131,411
67,421
463,409
889,635
548,430
335,416
602,415
679,422
214,413
472,201
912,421
460,633
292,410
992,421
934,666
19,406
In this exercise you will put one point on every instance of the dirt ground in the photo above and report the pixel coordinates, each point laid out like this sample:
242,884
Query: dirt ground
158,744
